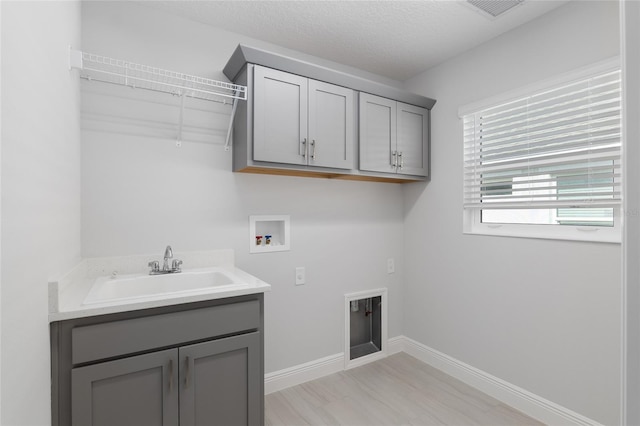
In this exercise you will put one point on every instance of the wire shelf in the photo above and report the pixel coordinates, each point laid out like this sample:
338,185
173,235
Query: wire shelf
109,70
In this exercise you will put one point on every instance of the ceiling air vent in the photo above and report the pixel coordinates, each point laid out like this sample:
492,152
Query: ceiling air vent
494,8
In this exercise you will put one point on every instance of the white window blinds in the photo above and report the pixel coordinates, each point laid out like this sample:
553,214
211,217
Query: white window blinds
558,148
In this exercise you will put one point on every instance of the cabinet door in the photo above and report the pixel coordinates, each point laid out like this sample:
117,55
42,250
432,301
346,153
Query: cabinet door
221,382
137,391
331,121
377,133
280,117
413,134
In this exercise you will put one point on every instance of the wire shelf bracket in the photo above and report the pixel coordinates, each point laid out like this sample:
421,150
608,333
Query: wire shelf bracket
108,70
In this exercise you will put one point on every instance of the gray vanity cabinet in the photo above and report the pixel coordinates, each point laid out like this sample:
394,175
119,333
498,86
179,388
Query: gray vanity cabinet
393,136
220,380
196,364
136,391
302,121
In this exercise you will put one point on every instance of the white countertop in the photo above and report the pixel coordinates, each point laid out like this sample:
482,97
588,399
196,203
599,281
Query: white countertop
67,294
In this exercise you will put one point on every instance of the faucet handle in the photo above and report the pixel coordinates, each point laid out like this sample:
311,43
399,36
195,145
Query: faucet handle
176,265
154,265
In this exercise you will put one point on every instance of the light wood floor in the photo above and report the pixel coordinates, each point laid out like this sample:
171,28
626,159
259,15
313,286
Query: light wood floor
398,390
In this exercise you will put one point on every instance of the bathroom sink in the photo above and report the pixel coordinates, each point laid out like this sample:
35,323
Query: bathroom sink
136,286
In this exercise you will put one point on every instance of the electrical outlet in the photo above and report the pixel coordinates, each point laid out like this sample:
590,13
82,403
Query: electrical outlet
300,275
391,266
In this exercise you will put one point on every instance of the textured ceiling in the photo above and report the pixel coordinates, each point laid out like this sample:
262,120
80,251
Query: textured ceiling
396,39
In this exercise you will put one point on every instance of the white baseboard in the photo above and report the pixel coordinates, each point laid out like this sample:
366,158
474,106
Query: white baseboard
533,405
298,374
395,345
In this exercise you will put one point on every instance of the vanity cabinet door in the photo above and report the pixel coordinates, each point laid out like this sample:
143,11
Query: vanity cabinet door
280,117
220,382
136,391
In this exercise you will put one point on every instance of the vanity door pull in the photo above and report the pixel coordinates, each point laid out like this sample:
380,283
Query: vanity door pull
394,162
313,149
186,374
170,375
401,160
304,148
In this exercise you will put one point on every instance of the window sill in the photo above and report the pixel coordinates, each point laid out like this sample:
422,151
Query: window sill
610,235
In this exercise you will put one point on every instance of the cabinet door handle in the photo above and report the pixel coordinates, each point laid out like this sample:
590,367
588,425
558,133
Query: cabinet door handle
394,159
304,148
313,149
186,374
401,160
170,375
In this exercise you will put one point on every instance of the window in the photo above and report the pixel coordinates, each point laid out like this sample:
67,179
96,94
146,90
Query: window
546,163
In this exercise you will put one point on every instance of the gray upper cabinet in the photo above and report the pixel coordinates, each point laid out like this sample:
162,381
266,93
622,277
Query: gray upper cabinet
301,121
331,125
303,118
377,133
412,146
393,136
280,117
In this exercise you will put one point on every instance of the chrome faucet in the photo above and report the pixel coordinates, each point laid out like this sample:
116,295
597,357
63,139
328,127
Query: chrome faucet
168,254
176,265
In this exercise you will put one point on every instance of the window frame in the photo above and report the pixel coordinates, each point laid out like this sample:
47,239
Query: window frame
472,223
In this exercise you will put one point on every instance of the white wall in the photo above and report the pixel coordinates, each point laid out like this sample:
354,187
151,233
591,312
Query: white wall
559,338
0,212
140,192
630,34
40,193
543,315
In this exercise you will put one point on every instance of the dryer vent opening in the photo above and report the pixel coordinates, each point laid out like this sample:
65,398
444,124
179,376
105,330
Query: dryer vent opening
365,327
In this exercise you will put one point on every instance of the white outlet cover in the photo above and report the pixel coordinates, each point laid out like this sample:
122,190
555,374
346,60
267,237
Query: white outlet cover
391,266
